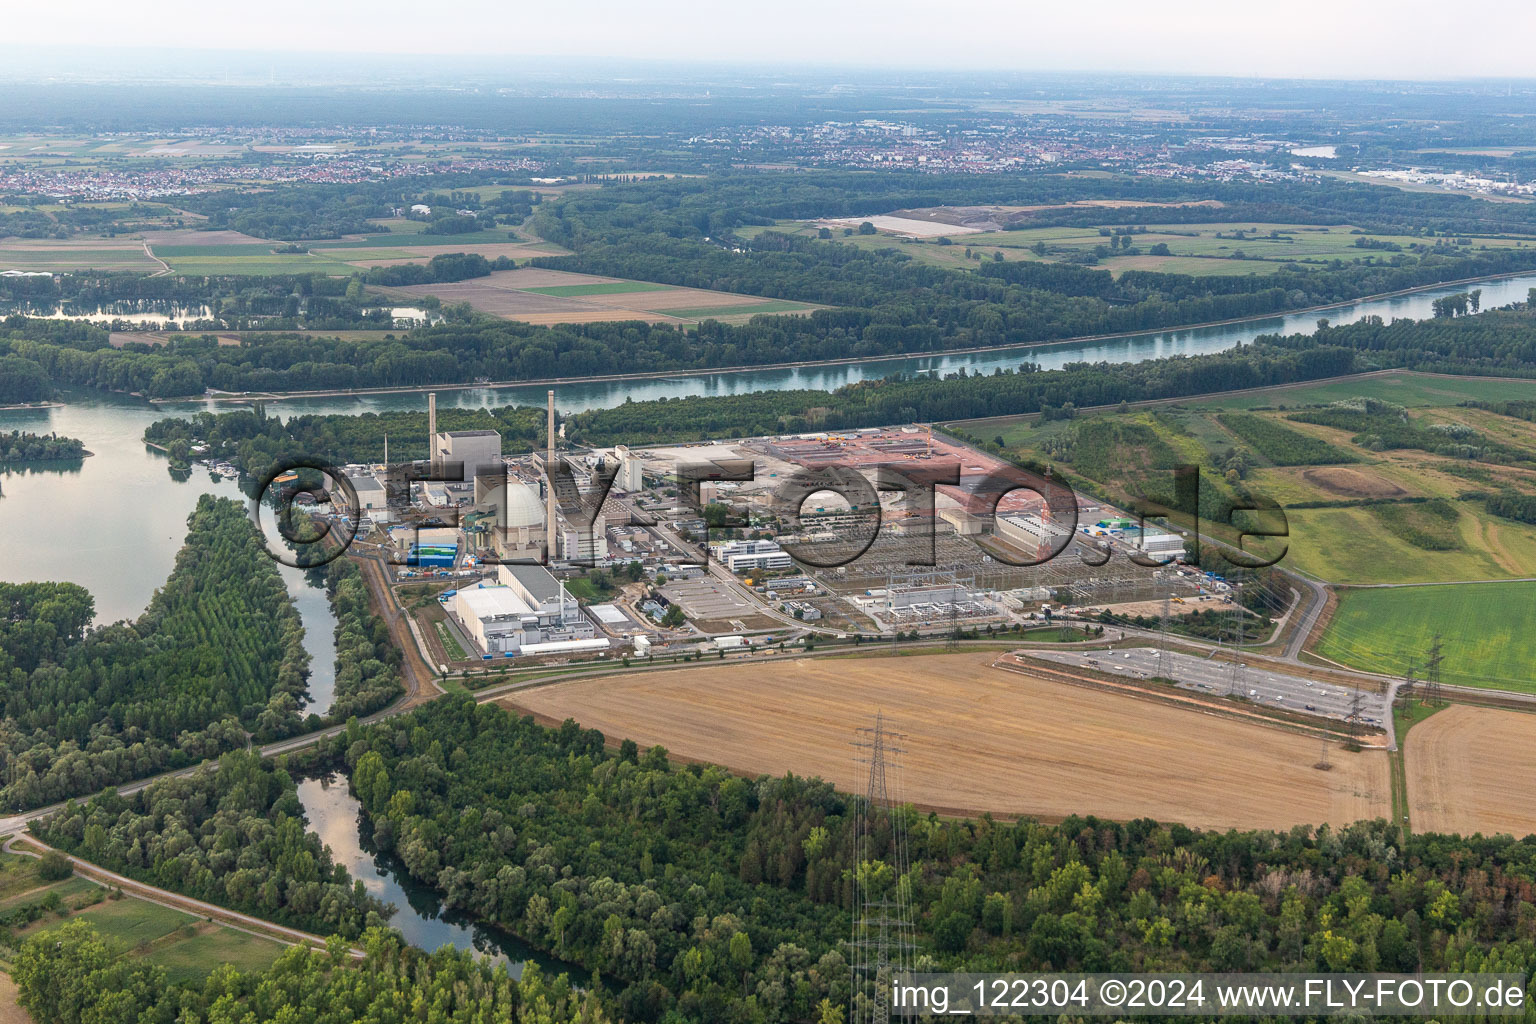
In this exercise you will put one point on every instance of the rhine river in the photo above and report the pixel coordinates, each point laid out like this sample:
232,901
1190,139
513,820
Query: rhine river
114,522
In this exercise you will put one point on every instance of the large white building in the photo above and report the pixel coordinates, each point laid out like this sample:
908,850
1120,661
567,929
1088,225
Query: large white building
1028,531
737,555
478,450
528,609
584,545
517,529
631,476
372,500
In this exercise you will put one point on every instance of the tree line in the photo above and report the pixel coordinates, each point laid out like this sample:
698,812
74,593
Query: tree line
254,441
71,975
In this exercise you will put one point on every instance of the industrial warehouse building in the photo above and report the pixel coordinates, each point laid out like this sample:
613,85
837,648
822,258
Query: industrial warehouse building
752,554
529,612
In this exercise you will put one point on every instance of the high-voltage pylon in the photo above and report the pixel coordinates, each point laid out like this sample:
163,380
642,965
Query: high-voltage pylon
1238,628
1162,649
1432,695
883,940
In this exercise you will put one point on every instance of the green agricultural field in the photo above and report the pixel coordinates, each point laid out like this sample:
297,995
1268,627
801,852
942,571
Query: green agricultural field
599,288
1401,387
1358,545
722,312
1199,249
64,258
263,261
501,236
1484,628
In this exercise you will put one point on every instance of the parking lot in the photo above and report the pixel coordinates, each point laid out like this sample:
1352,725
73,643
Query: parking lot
1207,675
706,599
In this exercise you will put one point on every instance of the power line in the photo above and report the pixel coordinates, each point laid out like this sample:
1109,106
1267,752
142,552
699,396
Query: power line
883,943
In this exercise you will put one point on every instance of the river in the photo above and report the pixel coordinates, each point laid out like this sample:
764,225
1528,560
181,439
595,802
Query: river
582,395
336,816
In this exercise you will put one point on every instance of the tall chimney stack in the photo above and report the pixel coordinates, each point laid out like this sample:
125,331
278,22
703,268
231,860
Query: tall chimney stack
432,428
549,482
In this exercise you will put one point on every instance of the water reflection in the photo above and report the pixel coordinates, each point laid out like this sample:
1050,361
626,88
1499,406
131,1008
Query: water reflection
336,816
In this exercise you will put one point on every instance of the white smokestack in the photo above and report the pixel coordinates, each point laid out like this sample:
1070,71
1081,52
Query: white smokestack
549,481
432,428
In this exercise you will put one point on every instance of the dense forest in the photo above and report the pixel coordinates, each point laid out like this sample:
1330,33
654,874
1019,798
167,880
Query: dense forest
22,380
367,660
218,651
18,447
702,896
232,835
70,975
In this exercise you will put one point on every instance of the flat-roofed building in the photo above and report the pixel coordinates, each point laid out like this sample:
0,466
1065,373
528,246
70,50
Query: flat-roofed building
528,607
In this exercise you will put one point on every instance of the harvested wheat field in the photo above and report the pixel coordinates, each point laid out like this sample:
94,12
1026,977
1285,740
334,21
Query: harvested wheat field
1473,770
979,738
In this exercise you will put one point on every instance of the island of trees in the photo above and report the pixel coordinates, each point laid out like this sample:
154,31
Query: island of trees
17,448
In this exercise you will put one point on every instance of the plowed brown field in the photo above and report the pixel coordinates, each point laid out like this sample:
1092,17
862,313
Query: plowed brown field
977,738
1473,770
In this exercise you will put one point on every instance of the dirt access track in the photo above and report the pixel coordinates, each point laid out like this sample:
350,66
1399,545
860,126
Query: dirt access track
978,738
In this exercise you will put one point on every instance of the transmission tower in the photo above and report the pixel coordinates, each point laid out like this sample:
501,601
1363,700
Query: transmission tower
953,643
1238,627
1432,694
1356,704
883,940
1323,764
1162,650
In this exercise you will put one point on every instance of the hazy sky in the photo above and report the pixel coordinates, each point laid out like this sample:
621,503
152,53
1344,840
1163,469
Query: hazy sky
1304,38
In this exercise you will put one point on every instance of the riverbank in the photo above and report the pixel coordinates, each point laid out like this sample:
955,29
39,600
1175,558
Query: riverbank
1022,347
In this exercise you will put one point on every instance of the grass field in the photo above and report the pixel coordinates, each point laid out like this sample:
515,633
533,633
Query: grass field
1198,249
263,261
1470,770
82,254
187,946
978,738
1402,387
450,642
191,957
554,296
1484,628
